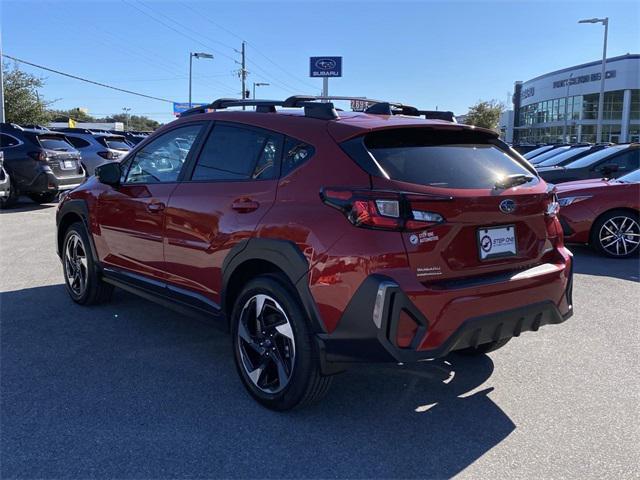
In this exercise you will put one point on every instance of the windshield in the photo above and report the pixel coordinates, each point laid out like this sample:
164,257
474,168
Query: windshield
547,155
537,151
563,157
594,157
54,142
633,177
117,143
444,159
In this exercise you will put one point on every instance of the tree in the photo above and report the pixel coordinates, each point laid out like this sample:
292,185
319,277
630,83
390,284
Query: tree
74,113
22,102
485,114
135,122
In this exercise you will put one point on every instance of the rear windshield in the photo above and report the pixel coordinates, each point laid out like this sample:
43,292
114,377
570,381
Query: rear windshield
537,151
543,157
596,156
442,159
117,143
562,157
54,142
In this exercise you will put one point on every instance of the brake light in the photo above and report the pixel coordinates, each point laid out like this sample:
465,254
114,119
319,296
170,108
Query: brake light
39,156
108,155
380,209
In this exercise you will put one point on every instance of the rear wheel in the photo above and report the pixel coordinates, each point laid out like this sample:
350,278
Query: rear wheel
46,197
273,346
484,348
12,198
616,234
81,276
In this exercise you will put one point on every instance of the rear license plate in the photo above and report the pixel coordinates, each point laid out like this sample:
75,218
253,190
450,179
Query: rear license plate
68,164
494,242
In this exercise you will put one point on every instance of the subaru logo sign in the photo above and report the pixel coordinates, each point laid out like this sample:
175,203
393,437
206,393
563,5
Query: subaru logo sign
507,206
325,67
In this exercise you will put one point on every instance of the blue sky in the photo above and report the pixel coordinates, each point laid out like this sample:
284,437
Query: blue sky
447,54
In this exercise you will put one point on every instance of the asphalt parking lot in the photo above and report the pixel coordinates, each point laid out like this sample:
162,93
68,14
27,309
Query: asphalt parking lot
131,390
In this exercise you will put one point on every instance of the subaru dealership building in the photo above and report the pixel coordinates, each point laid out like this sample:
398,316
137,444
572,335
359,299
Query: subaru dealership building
563,105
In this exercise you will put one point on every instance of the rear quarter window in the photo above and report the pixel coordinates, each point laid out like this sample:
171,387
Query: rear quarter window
445,159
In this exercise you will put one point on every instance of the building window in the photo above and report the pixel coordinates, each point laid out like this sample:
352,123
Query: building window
635,105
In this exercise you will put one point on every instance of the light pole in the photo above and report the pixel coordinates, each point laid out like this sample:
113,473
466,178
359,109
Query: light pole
604,21
197,55
126,111
566,111
258,84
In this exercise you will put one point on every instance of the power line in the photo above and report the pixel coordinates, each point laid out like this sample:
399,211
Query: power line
85,79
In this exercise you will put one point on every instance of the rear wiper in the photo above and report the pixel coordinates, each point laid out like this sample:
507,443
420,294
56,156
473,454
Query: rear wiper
513,180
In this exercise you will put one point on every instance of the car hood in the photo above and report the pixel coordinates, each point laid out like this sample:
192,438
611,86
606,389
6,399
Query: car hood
582,185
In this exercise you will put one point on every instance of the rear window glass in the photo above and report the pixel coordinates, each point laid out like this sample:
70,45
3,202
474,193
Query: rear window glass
442,159
543,157
117,143
594,157
563,157
537,151
51,142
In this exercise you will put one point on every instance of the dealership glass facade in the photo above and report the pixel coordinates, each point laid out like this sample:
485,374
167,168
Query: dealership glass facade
544,121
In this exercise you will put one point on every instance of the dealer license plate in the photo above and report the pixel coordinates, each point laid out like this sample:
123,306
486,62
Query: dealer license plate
494,242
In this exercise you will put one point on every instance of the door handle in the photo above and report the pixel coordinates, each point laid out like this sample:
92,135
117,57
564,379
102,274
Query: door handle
155,207
244,205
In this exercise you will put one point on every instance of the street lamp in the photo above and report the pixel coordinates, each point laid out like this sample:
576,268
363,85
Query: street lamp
126,111
604,21
197,55
258,84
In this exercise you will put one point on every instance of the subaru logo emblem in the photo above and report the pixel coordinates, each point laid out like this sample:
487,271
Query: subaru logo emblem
325,64
507,206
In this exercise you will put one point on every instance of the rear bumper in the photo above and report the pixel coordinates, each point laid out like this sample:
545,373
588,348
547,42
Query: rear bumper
48,182
367,334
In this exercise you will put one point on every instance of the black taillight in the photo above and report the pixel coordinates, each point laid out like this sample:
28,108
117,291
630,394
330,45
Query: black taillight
379,209
107,155
39,156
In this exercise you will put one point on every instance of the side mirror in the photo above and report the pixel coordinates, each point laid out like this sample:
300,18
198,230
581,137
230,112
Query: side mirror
608,169
109,173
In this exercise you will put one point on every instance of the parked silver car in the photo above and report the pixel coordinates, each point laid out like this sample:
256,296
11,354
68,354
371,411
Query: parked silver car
97,148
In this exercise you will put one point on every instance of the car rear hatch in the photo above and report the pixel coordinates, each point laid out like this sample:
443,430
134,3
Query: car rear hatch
116,144
61,156
473,207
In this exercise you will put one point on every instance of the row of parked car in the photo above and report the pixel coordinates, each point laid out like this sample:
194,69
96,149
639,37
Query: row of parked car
40,162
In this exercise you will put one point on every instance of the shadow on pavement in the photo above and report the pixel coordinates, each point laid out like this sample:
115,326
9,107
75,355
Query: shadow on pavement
25,204
130,389
588,262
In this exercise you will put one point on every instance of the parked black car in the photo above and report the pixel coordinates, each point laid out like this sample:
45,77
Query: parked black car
542,149
5,182
40,162
610,162
571,155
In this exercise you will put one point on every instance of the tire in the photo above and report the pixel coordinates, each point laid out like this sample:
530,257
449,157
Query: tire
279,362
484,348
613,234
12,199
46,197
81,277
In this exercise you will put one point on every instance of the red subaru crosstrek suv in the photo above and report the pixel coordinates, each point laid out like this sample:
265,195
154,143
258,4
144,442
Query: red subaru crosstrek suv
321,238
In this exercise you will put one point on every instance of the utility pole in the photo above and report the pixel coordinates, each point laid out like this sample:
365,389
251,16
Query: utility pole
243,72
126,111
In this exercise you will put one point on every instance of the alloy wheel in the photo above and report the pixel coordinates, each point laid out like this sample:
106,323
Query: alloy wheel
619,236
75,262
266,343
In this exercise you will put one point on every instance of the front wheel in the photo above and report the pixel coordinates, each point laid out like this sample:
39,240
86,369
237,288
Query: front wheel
46,197
616,234
273,346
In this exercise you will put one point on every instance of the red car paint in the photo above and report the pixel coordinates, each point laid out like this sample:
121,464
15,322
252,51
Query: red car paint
181,233
603,196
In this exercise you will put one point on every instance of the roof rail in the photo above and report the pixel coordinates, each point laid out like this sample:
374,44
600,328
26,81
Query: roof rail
13,126
33,126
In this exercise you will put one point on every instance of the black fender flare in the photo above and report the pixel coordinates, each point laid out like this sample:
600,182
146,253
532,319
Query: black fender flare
79,208
287,257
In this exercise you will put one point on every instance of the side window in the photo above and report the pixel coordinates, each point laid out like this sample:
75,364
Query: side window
78,142
295,154
236,153
162,159
626,162
8,141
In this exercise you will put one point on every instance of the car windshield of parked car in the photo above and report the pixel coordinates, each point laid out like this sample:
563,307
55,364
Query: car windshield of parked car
596,156
439,159
117,143
563,157
547,155
633,177
537,151
54,142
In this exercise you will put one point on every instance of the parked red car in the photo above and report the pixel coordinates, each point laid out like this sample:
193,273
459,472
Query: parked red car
603,213
322,239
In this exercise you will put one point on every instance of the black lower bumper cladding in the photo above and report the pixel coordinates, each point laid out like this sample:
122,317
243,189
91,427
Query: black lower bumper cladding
358,339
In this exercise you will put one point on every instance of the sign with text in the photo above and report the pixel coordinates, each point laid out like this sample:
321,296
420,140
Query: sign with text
325,67
182,107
